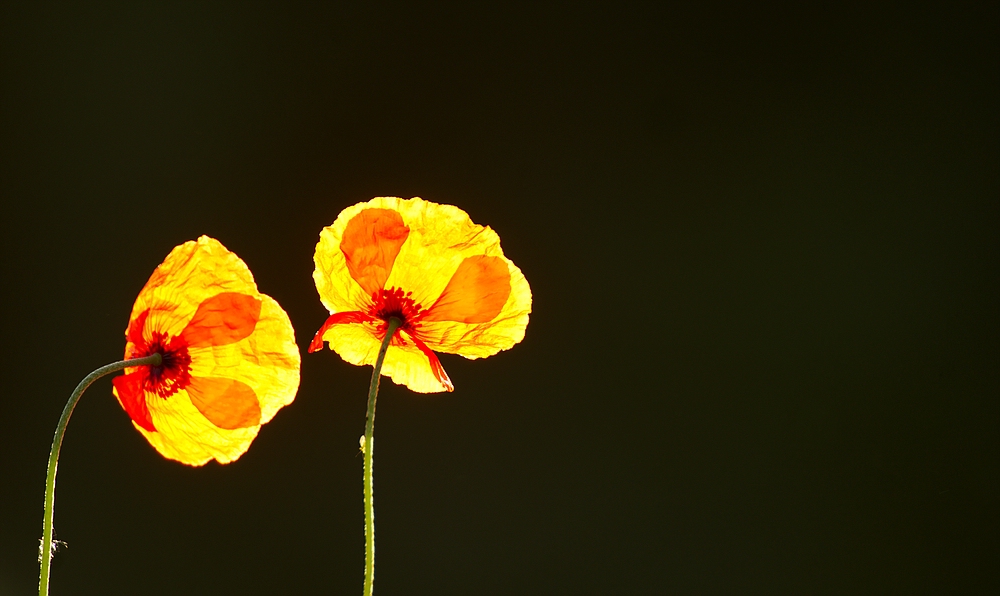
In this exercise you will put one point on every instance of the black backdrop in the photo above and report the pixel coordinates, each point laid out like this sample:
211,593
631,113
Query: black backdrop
762,242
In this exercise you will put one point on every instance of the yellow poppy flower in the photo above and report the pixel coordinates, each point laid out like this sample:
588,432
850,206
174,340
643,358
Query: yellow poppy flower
229,356
427,264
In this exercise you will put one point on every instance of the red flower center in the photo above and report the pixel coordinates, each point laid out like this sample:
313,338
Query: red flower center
174,373
394,303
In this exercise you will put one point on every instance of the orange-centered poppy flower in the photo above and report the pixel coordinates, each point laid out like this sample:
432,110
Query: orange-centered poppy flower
428,265
229,356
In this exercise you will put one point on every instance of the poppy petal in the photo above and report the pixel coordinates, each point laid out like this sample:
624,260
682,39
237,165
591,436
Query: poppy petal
267,361
476,292
227,403
130,393
339,318
404,362
222,319
370,244
135,326
441,237
436,367
192,273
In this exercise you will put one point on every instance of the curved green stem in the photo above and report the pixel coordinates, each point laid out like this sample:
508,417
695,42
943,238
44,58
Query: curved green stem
46,547
369,447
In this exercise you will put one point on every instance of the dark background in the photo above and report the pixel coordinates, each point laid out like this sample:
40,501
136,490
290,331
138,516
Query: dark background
762,242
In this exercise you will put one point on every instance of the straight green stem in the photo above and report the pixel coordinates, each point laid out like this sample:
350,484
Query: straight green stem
46,547
393,324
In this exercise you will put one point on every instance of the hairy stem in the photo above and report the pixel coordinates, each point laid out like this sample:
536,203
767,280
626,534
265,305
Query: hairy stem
369,446
47,548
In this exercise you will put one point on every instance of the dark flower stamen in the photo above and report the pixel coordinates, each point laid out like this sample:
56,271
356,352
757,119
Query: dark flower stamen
392,302
175,372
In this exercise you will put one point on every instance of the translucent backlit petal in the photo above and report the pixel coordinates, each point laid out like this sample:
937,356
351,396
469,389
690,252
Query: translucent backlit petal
267,361
475,293
441,237
434,363
192,273
227,403
240,360
186,435
340,318
338,290
135,328
131,395
222,319
370,243
405,364
478,340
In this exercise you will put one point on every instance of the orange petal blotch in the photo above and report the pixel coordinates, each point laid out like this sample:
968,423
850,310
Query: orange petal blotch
222,319
370,244
227,403
476,292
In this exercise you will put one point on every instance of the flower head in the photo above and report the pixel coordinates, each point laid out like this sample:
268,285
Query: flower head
428,265
229,356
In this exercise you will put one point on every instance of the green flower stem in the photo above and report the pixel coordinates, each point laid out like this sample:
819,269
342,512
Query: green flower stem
369,447
45,558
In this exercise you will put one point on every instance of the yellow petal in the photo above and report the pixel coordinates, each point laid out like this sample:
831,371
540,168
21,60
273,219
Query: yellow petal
478,340
183,433
268,360
405,364
191,273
